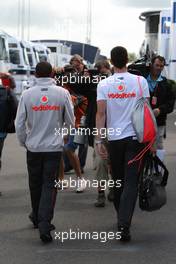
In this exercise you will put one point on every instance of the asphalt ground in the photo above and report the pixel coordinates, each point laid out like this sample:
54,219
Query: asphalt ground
153,234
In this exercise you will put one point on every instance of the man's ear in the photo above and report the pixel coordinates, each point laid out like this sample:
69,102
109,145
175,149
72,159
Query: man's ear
52,73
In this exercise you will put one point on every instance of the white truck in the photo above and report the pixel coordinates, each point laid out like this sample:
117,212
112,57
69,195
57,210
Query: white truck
19,64
43,52
60,54
33,57
4,53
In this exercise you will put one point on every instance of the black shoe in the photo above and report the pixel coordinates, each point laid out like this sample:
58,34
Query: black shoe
125,234
52,227
111,195
100,200
46,238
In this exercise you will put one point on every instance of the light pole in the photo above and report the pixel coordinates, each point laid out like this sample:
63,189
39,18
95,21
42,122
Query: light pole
29,19
89,22
22,19
19,19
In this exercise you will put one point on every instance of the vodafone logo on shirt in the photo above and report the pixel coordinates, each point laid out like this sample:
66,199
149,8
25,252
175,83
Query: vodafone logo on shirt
121,88
44,99
121,94
45,106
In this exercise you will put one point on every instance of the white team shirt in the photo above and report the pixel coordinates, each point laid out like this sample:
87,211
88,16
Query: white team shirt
121,92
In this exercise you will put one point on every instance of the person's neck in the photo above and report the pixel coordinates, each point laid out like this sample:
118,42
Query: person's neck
154,77
122,70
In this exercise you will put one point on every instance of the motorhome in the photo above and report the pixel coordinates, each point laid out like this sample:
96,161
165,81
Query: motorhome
4,53
19,64
33,58
160,36
43,52
60,54
63,50
31,53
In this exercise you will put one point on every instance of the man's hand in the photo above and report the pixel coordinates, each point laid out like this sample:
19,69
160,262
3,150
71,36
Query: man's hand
66,139
153,148
156,112
102,151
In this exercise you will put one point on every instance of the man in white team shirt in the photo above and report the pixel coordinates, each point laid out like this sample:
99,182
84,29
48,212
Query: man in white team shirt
116,99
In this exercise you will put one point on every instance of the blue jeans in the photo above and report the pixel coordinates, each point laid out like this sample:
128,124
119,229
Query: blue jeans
82,152
70,145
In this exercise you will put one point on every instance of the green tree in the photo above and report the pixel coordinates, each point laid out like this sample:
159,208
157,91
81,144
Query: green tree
132,56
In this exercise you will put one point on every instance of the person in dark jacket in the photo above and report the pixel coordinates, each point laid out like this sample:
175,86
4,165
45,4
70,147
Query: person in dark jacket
8,108
162,99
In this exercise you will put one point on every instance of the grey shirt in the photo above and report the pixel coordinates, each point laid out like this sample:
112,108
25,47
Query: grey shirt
43,111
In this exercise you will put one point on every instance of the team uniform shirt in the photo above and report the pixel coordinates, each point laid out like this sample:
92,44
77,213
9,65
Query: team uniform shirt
43,112
121,92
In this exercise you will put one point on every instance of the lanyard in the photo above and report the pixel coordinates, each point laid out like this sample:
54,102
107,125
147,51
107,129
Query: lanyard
155,89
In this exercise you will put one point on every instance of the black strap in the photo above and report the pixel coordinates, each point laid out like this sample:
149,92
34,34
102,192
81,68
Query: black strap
151,162
166,172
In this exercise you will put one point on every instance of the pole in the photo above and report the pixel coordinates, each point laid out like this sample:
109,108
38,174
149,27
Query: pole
29,19
19,19
22,19
172,68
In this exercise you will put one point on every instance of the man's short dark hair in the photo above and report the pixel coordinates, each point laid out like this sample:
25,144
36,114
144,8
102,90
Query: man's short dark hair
119,57
162,59
43,69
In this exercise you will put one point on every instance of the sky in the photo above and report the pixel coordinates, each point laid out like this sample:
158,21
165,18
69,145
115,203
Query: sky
114,22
